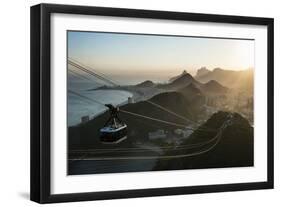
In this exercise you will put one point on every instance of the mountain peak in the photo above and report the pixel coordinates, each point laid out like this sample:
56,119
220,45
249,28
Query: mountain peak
214,87
202,71
147,83
217,69
178,76
213,82
180,82
184,76
183,80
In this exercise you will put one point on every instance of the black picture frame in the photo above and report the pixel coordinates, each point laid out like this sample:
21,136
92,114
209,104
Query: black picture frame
41,98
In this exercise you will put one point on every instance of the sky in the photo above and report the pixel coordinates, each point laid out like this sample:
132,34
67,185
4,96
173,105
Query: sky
128,55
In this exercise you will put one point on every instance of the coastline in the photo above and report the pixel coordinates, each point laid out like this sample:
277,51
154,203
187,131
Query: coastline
96,110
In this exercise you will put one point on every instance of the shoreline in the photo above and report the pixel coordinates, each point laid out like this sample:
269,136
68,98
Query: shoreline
99,112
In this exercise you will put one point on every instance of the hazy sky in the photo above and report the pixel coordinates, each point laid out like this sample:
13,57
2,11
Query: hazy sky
133,54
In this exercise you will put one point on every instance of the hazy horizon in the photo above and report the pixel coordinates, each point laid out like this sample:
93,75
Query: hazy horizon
155,57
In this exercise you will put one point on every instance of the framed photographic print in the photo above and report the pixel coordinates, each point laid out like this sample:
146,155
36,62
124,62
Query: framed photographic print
132,103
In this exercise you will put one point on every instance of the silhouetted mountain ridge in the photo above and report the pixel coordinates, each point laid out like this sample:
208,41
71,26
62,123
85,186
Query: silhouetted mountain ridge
202,71
178,76
242,79
180,82
213,87
193,94
147,83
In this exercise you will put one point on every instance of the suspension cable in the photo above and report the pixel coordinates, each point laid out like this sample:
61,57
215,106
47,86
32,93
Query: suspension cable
154,119
169,111
79,75
138,115
93,100
95,71
80,66
91,72
186,146
217,138
162,121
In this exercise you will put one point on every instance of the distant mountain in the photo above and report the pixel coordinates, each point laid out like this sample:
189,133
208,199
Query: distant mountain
190,90
192,93
197,91
232,79
145,84
178,76
213,88
202,71
186,82
180,82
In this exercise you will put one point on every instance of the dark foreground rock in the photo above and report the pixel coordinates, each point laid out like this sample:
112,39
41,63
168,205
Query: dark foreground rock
235,149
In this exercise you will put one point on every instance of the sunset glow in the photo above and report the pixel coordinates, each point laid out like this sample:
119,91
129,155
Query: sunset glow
129,52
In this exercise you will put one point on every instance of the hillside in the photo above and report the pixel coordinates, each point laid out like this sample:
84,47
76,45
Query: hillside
193,94
213,88
235,148
87,135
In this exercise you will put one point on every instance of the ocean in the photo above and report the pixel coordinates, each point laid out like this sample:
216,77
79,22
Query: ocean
78,107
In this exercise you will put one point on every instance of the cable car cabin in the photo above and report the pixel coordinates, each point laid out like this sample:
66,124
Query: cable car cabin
114,130
113,134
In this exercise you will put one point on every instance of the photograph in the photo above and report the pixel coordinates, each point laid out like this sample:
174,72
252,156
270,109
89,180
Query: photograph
133,102
153,102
